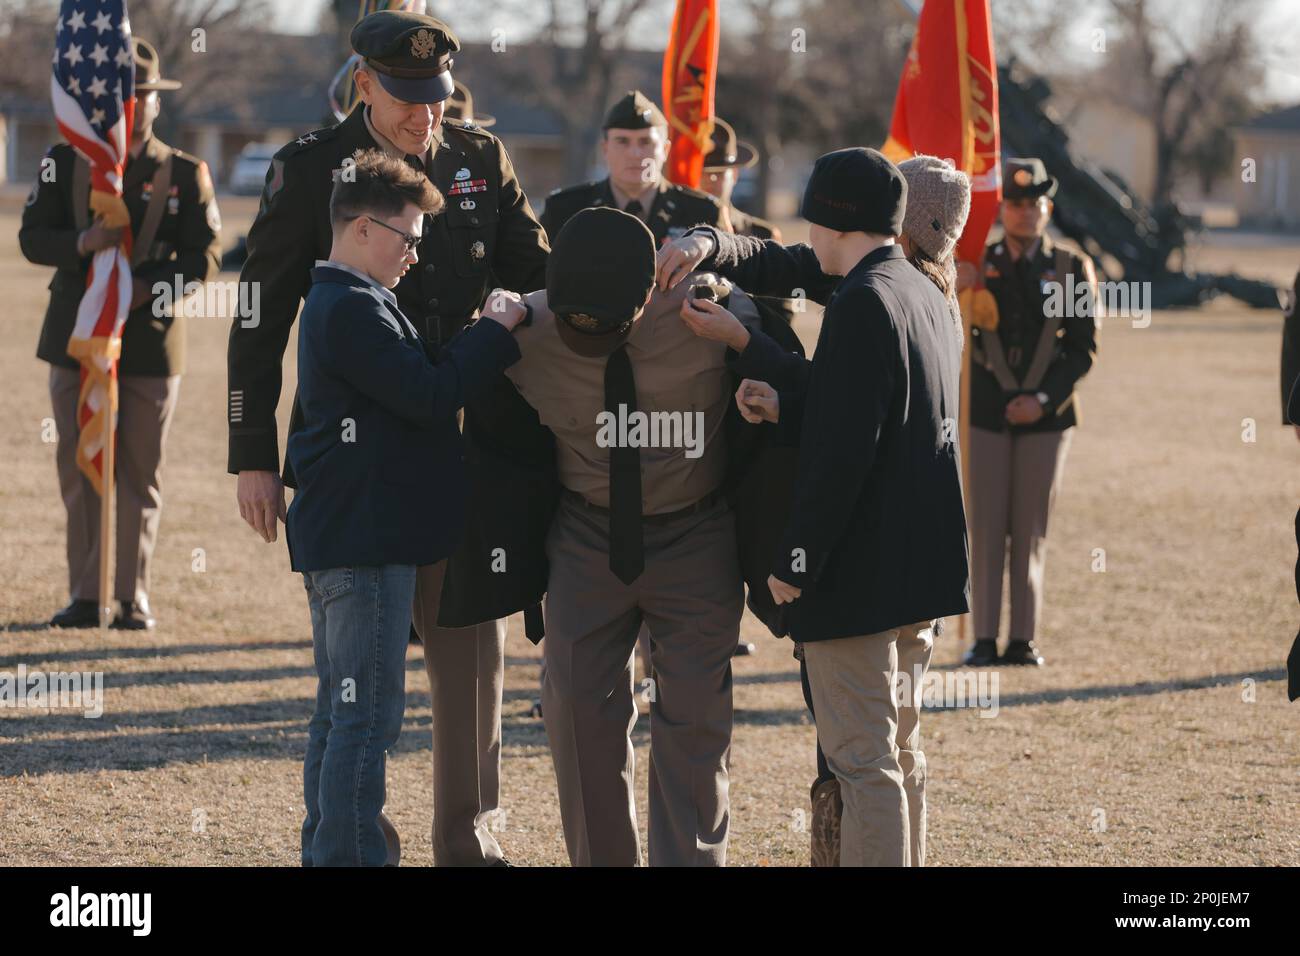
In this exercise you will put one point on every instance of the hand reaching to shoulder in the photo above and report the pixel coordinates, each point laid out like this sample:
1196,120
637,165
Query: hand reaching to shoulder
505,308
710,320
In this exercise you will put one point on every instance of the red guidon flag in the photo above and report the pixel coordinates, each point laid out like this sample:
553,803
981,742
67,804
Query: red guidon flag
947,106
690,76
93,89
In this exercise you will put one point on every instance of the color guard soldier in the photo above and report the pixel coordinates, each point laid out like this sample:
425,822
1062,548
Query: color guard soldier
635,148
487,230
176,229
460,106
1024,408
722,167
1290,348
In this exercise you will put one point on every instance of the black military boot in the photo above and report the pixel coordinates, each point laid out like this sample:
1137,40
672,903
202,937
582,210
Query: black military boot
983,653
133,616
80,613
1022,654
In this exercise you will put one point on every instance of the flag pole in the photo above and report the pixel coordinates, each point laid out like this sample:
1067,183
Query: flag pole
963,443
106,499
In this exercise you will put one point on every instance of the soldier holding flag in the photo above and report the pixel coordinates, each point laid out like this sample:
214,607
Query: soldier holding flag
114,211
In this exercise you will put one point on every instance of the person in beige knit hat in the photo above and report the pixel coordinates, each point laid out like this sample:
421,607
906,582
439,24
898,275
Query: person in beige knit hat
938,202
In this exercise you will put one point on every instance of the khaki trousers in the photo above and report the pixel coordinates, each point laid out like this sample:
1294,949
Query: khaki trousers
1014,479
691,596
146,404
466,668
867,695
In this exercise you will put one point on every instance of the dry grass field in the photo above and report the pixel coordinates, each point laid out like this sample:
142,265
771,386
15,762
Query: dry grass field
1161,713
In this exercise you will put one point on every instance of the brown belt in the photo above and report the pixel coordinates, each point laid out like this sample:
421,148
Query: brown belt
708,501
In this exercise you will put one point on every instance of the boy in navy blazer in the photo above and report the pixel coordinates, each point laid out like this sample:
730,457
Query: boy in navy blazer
379,432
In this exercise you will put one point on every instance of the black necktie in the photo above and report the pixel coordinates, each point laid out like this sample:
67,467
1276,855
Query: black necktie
634,208
626,548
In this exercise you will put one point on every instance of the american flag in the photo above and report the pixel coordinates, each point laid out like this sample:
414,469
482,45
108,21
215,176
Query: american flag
93,88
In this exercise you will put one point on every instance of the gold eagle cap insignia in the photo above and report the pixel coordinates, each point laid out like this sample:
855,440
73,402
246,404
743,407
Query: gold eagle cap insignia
422,44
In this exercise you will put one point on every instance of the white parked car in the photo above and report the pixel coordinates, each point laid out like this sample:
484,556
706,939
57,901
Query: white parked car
249,172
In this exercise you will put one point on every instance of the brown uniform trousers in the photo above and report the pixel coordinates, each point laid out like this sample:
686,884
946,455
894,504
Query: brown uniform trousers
145,407
465,667
691,596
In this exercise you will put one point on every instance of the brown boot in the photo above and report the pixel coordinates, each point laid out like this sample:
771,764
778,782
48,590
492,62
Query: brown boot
827,809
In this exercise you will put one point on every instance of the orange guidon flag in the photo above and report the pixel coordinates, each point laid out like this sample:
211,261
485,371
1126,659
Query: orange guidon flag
947,106
690,76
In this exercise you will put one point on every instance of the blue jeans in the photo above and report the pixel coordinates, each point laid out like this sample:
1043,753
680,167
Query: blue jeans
360,622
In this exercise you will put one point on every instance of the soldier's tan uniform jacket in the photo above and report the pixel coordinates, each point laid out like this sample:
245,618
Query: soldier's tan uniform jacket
674,209
486,235
1032,351
185,243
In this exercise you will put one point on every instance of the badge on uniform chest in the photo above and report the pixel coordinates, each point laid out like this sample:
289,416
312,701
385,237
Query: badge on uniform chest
465,182
174,200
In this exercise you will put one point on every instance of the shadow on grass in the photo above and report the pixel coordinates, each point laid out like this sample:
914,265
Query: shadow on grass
1120,691
156,650
276,729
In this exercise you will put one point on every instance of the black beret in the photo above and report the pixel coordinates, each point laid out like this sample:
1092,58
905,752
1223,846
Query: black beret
409,52
634,111
856,190
598,277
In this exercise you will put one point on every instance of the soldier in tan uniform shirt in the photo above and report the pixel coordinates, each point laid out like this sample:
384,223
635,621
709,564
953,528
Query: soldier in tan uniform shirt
682,577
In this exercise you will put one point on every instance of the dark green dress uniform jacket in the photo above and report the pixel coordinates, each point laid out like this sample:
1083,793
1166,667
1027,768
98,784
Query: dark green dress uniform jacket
1290,347
674,210
187,243
509,455
1023,292
462,248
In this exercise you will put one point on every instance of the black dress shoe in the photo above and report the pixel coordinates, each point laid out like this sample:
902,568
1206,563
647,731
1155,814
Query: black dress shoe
80,613
744,649
536,710
133,616
1022,654
984,653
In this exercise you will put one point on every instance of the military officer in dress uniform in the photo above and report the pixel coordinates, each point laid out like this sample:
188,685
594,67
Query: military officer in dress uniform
722,168
635,148
1024,373
176,230
487,229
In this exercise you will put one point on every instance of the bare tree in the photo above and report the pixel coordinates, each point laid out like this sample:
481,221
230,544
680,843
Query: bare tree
1192,76
573,65
823,72
214,47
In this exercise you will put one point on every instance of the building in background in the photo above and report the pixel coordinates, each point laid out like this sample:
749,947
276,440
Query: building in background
1272,141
